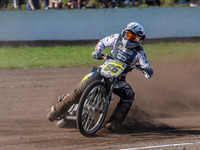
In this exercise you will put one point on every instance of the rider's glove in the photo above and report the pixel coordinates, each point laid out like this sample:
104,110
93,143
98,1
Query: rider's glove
146,75
148,72
97,54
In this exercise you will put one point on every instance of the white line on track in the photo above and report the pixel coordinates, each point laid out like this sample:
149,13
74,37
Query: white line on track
159,146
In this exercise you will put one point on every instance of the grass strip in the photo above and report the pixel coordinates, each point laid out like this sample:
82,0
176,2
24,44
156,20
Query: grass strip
70,56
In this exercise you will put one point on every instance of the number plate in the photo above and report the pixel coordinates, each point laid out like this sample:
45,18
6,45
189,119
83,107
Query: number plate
112,68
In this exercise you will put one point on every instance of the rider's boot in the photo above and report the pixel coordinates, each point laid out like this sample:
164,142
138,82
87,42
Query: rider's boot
118,115
111,126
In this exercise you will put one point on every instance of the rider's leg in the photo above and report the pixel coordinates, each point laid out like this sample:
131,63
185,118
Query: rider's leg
126,94
68,100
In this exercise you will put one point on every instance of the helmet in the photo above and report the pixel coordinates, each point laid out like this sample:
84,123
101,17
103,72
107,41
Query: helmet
133,35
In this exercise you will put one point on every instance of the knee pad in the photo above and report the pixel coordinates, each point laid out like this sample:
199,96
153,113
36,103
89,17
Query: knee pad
124,91
127,94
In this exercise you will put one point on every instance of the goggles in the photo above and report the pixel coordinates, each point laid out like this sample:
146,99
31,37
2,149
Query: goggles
130,36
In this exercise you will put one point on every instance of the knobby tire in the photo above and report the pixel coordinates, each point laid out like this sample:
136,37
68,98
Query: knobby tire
85,108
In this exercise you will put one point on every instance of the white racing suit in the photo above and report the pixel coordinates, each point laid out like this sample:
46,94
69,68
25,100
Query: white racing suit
123,89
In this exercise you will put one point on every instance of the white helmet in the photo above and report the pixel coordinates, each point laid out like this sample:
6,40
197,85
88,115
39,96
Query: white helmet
133,35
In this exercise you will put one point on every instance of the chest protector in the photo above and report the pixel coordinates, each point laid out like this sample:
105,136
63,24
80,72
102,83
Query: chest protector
123,54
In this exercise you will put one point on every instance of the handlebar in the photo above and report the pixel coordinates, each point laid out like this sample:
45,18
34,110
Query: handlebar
137,67
101,56
105,56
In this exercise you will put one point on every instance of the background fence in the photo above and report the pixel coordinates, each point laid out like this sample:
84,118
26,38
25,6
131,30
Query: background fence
159,22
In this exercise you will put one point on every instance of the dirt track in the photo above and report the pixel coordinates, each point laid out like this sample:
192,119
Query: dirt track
165,110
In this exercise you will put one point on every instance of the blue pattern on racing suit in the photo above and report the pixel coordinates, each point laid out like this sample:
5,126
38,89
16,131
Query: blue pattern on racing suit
131,56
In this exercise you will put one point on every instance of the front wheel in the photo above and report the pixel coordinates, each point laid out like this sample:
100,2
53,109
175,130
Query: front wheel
90,115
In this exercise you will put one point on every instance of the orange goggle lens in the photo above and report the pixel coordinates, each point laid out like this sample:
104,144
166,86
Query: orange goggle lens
131,36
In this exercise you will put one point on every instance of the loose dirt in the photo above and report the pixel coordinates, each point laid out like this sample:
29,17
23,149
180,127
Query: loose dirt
165,110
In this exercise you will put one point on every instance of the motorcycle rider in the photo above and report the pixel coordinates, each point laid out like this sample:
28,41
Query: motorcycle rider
125,47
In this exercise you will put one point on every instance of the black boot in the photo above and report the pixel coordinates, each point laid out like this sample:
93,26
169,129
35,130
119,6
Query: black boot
118,115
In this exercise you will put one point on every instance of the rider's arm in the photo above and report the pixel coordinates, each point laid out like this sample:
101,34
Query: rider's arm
108,41
145,65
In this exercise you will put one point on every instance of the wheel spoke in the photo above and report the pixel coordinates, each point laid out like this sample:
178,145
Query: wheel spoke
89,120
96,97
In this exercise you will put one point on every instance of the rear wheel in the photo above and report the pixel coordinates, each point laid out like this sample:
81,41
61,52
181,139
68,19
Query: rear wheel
90,114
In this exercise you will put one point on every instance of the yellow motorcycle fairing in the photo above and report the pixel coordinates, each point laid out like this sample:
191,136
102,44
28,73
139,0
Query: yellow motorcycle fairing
94,69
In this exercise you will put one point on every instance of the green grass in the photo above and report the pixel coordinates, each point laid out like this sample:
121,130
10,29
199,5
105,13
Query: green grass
173,52
30,57
69,56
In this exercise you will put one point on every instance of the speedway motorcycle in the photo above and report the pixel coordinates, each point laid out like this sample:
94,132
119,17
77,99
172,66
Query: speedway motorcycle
93,105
